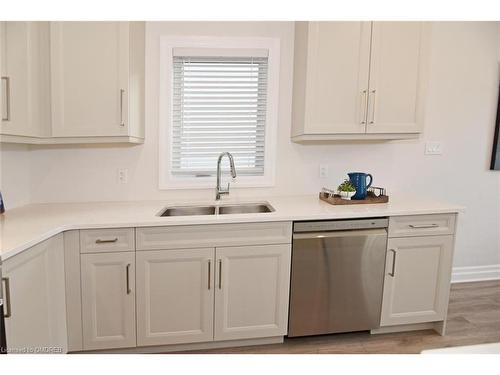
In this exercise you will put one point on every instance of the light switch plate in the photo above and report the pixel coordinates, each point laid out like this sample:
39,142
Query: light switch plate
323,170
122,175
433,148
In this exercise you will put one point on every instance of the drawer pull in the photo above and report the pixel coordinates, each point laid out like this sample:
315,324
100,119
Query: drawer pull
423,226
209,271
122,123
363,107
8,312
128,278
99,241
393,271
220,273
7,98
374,92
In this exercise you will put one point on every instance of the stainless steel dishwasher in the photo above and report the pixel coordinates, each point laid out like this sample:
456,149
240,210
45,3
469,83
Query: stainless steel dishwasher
337,276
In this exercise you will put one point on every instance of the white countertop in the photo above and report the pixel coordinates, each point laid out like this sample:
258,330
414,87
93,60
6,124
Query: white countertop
23,227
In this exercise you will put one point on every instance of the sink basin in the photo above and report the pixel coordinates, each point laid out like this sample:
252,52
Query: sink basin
188,210
243,208
250,208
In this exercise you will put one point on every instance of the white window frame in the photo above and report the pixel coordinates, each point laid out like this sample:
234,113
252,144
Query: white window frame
165,125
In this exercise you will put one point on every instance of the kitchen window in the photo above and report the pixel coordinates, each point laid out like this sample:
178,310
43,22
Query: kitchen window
217,98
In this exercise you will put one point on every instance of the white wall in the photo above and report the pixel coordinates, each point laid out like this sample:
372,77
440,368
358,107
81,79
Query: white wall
460,112
15,182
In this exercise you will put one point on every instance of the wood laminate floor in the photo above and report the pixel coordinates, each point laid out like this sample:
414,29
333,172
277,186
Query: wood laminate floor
473,318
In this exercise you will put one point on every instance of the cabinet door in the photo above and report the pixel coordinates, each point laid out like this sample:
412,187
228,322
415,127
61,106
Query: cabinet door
89,66
175,296
252,289
108,300
337,70
417,280
395,76
33,283
15,78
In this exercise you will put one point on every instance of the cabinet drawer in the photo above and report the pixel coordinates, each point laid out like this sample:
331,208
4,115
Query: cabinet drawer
213,235
421,225
106,240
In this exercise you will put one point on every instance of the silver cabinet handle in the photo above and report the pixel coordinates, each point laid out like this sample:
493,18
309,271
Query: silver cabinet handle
363,107
423,226
8,311
128,278
209,272
7,98
373,92
122,123
392,273
220,273
99,241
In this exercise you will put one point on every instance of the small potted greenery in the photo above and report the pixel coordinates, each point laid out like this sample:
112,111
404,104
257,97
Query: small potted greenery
346,190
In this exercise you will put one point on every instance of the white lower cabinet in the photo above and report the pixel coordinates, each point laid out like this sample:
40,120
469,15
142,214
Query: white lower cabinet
175,296
417,280
181,293
108,300
34,296
154,296
252,289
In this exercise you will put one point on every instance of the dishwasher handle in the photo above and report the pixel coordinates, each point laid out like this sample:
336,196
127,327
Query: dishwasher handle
340,233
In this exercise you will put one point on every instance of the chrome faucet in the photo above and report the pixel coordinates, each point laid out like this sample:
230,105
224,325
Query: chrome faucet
218,190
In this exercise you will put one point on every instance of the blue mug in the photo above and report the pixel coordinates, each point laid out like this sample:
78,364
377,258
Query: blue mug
358,179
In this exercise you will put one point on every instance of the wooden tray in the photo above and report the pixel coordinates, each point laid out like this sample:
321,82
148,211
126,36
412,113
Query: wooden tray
370,199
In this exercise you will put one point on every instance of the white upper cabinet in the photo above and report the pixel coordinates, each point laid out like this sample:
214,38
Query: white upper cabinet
336,82
92,72
24,62
394,77
72,82
357,80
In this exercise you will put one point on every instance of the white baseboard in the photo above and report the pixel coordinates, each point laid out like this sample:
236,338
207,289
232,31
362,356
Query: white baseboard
478,273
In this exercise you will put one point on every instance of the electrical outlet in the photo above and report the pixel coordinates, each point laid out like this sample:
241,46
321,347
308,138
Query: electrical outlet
123,175
433,148
323,171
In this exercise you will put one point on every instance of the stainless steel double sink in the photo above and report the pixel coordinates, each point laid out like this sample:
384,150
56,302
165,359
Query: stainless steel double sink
242,208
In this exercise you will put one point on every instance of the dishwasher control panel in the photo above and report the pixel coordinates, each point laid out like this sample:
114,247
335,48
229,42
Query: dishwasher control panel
332,225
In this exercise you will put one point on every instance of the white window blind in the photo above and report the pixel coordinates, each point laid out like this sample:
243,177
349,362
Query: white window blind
219,104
